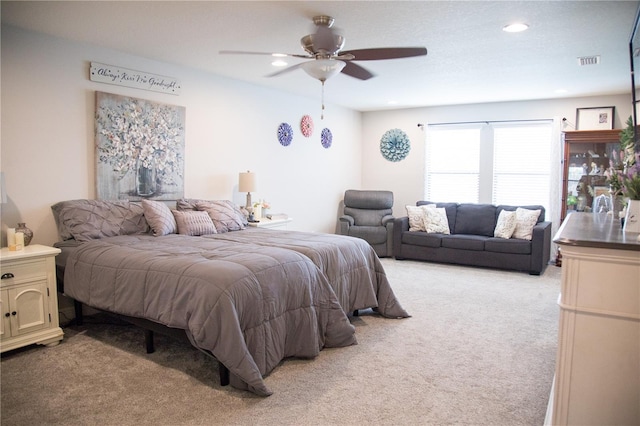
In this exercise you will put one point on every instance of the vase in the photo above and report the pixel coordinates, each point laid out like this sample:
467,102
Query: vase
257,212
145,179
632,218
617,204
28,233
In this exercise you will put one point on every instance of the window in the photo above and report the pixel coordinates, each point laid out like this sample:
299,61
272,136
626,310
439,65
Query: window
453,169
497,163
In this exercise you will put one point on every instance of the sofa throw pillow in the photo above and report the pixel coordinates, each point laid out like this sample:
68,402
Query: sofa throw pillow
506,224
435,220
159,218
225,215
525,221
193,223
416,217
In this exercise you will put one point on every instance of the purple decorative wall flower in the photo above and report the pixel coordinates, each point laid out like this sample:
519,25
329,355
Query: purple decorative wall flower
285,134
326,137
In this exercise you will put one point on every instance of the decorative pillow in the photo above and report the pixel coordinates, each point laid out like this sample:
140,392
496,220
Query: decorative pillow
85,220
525,221
188,203
416,217
226,216
159,217
435,220
193,223
506,224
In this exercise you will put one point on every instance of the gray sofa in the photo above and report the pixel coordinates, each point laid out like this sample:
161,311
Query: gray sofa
471,241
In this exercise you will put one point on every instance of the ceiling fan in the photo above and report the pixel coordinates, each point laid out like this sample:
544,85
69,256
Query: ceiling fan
325,48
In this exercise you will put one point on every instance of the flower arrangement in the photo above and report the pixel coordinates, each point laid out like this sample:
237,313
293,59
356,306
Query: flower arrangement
631,180
262,204
623,174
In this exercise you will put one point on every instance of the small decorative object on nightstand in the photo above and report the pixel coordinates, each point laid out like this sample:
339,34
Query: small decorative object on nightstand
28,297
28,233
280,221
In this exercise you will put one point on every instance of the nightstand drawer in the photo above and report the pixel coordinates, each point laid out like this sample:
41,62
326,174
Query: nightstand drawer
18,271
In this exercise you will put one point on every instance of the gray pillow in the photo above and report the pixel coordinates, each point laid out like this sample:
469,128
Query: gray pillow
85,220
194,223
226,216
159,217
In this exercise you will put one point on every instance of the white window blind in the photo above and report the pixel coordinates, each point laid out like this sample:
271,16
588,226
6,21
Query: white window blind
498,163
452,165
521,164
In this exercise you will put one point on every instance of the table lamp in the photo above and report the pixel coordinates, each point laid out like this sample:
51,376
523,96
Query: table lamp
248,185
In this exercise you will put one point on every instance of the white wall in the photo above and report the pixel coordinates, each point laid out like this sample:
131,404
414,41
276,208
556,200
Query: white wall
406,178
48,154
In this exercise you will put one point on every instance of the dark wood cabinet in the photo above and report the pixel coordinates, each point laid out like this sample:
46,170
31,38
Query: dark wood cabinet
585,158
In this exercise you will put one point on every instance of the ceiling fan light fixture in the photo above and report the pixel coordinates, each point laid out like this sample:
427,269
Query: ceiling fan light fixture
323,69
515,28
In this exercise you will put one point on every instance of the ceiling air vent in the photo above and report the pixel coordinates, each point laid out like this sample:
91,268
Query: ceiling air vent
589,60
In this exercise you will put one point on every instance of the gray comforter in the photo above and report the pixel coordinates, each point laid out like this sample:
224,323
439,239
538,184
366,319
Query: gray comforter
350,264
250,305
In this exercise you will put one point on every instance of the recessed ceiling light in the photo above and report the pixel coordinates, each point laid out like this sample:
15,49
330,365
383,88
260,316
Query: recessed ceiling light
561,91
515,28
392,102
279,55
279,63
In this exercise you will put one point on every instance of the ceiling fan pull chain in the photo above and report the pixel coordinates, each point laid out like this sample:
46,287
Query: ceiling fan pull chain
322,113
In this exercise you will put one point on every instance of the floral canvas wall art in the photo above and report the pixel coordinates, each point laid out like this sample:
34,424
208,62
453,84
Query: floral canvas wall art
139,148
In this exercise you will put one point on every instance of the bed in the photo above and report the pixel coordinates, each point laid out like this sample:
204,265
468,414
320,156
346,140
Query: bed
250,297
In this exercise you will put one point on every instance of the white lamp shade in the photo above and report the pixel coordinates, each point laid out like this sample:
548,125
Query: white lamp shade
322,69
247,182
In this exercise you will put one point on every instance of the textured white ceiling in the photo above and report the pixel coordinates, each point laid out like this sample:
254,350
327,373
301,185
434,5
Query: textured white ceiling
470,58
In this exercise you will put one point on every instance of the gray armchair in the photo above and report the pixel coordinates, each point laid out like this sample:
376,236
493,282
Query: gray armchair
368,215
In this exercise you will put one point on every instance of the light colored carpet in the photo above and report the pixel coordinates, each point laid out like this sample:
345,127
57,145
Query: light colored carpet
479,349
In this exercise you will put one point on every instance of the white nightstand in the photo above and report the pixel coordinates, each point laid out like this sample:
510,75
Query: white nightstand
28,297
273,224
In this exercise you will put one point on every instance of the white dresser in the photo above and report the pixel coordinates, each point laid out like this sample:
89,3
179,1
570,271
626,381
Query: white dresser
597,379
28,297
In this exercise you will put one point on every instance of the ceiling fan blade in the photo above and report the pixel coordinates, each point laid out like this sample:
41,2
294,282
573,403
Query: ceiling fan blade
386,53
356,71
285,70
242,52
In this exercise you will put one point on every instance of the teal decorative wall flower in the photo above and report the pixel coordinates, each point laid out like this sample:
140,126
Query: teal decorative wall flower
395,145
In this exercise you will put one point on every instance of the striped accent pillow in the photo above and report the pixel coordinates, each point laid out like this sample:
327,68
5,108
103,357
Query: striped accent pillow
194,223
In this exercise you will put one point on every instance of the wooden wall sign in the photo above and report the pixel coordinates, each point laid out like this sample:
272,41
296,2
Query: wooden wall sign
119,76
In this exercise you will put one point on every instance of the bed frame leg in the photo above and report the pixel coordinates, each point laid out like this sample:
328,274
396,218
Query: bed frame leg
77,307
224,374
148,341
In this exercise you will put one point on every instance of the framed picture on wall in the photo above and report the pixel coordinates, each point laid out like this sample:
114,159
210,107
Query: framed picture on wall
598,118
139,148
